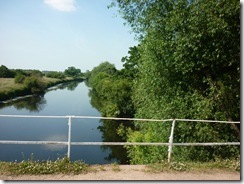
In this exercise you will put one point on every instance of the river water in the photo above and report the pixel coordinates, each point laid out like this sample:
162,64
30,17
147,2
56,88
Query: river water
67,99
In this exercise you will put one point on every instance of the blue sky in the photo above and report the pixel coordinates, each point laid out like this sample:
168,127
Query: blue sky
56,34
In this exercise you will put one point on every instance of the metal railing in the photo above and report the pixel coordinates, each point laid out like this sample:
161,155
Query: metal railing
170,144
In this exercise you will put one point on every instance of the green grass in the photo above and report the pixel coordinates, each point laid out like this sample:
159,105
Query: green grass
227,164
8,84
48,80
64,166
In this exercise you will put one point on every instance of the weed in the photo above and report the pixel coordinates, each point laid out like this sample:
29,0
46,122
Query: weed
231,164
102,168
178,166
63,165
115,167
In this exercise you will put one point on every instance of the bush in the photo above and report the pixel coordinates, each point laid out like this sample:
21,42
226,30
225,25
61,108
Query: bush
19,78
36,73
34,85
5,72
58,75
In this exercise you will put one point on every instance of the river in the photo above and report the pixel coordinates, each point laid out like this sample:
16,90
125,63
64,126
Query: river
67,99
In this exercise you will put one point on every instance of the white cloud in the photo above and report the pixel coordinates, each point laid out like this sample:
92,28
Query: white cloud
62,5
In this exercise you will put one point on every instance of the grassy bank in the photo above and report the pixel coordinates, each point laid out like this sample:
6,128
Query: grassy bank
65,166
226,164
58,166
10,90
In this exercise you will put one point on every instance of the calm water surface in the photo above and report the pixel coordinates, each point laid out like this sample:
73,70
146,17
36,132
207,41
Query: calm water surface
69,99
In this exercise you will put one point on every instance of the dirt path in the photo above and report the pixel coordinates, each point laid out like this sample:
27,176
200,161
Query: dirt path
132,172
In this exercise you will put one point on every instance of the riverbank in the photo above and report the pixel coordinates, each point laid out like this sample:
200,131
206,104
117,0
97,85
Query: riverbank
132,172
63,169
11,91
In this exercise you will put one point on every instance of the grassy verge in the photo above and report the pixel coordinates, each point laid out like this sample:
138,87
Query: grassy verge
227,164
64,166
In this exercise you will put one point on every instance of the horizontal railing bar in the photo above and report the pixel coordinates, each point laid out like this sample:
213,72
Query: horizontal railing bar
207,121
113,118
25,116
120,143
128,119
155,144
207,144
32,142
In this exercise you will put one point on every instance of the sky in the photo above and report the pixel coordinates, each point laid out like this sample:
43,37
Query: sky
56,34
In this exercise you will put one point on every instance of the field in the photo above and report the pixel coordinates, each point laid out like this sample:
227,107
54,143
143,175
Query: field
8,84
9,89
47,80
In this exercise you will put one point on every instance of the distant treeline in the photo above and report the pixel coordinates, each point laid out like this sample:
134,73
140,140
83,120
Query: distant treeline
12,73
34,81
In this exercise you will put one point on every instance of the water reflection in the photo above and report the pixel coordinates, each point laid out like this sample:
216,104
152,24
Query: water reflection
37,103
95,101
71,86
33,103
109,129
55,137
59,102
55,102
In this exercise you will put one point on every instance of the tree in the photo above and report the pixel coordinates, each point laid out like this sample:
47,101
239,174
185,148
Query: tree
54,74
189,68
131,63
5,72
72,72
104,67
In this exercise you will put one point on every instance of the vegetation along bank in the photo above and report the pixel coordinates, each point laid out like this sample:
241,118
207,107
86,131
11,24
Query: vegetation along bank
186,66
18,83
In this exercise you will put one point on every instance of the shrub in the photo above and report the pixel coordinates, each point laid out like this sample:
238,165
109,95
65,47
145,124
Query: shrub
5,72
34,85
58,75
19,78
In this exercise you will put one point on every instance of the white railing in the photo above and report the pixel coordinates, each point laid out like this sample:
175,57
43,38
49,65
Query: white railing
170,144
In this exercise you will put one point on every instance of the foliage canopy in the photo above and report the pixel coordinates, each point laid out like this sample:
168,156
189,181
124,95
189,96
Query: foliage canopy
187,65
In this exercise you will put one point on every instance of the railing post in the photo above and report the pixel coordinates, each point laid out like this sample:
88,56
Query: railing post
69,135
171,141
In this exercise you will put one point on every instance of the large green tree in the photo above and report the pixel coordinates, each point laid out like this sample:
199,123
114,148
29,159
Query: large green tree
189,68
